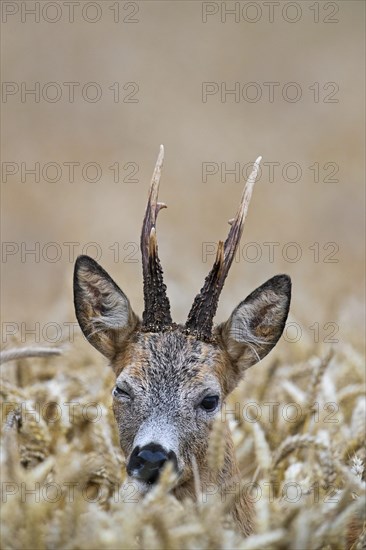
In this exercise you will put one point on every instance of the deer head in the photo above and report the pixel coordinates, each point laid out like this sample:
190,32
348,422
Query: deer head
171,380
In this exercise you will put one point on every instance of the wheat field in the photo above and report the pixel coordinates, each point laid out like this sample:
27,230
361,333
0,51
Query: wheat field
302,458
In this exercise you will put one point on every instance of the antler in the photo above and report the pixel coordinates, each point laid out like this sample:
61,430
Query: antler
157,307
200,318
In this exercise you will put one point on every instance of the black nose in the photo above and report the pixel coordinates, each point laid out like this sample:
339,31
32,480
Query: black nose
146,463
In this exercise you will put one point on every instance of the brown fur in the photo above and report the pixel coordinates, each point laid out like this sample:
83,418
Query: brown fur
165,374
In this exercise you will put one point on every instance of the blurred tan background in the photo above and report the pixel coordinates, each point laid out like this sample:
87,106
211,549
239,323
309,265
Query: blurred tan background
167,51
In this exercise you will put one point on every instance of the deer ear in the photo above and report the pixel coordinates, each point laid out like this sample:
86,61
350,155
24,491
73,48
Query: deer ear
256,325
102,309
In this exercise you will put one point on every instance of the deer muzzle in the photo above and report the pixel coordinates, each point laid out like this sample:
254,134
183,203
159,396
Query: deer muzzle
146,463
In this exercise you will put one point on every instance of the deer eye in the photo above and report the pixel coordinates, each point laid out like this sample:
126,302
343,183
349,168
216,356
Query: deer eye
209,403
119,392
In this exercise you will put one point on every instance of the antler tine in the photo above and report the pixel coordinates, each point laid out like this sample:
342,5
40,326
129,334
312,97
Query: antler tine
200,318
156,315
237,225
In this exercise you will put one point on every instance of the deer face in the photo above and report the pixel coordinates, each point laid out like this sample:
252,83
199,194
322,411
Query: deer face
170,385
171,380
168,391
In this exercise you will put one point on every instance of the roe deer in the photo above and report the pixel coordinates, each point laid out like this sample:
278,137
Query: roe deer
171,380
